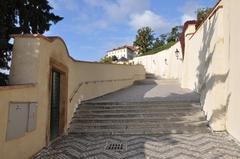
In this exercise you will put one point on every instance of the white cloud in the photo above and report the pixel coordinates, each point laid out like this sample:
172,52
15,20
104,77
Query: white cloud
148,18
124,8
120,10
95,2
189,10
133,12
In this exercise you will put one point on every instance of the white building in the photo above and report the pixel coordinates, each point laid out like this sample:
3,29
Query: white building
123,52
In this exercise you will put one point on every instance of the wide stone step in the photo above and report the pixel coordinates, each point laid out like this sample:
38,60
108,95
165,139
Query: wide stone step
138,124
137,114
165,116
138,107
157,103
155,82
198,117
141,114
141,131
120,117
136,111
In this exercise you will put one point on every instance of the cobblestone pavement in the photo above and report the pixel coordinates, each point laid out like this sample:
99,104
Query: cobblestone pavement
178,146
172,146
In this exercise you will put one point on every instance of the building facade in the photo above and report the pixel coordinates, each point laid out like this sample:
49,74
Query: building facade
126,52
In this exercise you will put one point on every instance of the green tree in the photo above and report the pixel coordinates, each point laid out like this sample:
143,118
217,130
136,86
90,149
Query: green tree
163,38
202,13
160,41
106,59
3,79
19,17
144,39
173,36
157,43
114,58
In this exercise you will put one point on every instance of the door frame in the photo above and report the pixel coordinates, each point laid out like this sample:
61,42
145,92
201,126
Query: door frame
63,109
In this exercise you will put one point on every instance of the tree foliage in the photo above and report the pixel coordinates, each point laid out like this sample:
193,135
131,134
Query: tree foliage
174,35
106,59
3,79
160,41
114,58
22,16
144,39
202,14
148,44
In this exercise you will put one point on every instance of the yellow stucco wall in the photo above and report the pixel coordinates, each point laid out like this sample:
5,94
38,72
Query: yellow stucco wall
17,148
31,64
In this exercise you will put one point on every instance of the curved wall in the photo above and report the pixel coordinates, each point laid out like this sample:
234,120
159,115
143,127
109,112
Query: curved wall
33,58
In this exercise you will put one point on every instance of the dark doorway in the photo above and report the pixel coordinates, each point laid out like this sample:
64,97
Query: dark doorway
55,105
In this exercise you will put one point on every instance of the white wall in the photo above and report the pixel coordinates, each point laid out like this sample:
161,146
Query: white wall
232,25
124,52
163,64
118,53
205,68
211,66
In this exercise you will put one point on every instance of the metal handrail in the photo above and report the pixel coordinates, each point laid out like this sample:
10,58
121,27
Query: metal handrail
75,91
88,82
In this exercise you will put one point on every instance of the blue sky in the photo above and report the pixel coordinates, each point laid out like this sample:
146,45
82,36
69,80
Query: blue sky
91,27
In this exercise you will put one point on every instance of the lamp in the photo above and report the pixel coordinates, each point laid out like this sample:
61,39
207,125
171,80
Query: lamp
177,53
165,60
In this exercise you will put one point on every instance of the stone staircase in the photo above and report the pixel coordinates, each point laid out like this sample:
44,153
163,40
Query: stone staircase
153,79
167,116
122,118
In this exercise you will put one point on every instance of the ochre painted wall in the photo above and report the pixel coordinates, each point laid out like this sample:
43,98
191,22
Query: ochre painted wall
31,142
32,58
